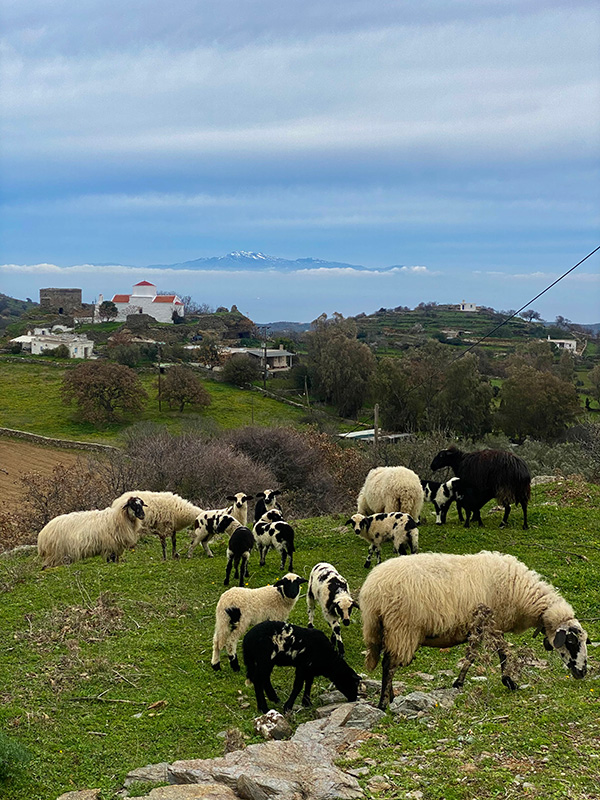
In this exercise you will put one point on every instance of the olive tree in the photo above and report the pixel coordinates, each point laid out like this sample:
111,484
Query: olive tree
102,391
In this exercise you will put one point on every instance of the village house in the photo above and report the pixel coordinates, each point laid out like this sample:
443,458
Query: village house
467,306
565,344
278,359
41,340
144,299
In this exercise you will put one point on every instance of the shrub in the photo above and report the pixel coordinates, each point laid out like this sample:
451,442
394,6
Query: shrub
12,756
240,370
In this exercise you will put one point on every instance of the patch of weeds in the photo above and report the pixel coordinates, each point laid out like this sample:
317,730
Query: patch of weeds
15,571
572,490
12,756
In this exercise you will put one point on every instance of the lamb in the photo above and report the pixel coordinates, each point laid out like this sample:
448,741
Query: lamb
442,495
308,650
207,525
239,608
330,590
388,489
490,473
239,548
239,507
399,528
429,600
82,534
166,513
265,501
271,531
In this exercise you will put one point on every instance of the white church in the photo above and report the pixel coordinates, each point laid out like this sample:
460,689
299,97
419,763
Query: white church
144,299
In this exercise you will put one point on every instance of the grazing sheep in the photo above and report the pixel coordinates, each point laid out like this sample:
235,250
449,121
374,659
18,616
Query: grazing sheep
272,644
490,473
239,548
330,590
166,513
272,532
265,501
239,608
399,528
82,534
429,601
388,489
442,495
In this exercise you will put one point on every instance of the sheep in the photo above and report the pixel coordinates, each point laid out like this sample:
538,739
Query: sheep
272,644
166,514
271,531
239,548
265,501
388,489
429,600
239,507
330,590
491,473
239,608
207,525
442,495
399,528
81,534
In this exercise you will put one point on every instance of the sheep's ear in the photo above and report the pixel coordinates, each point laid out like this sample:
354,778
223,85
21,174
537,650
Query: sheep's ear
348,522
275,492
560,638
260,495
355,604
249,497
231,497
547,645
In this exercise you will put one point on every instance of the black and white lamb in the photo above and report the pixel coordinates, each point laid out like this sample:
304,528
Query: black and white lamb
399,528
271,644
265,501
329,589
429,600
442,495
239,547
488,474
82,534
273,532
239,608
209,523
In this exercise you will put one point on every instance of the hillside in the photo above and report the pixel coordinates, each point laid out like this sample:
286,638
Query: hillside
106,668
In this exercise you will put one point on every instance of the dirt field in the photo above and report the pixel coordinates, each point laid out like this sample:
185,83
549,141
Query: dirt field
18,458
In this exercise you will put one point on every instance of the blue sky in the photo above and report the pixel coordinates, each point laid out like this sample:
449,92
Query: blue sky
459,137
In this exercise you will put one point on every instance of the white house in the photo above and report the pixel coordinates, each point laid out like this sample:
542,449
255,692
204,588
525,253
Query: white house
467,306
38,343
278,359
565,344
144,299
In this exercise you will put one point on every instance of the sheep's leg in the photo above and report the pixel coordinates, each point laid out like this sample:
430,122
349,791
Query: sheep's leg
228,568
174,553
336,639
193,544
291,564
283,558
163,544
215,661
506,679
467,518
298,684
444,513
306,701
230,649
439,515
369,556
524,507
459,509
206,548
505,517
260,695
387,676
271,693
474,639
310,605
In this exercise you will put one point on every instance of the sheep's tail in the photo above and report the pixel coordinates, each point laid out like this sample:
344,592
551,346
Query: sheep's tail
373,636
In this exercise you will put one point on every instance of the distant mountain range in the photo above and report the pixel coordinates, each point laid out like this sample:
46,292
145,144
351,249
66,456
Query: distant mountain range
258,261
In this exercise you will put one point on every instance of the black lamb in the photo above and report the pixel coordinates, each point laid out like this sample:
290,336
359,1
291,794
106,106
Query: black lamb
307,649
488,474
239,548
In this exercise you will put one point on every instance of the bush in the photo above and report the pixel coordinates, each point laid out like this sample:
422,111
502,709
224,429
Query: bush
12,756
241,370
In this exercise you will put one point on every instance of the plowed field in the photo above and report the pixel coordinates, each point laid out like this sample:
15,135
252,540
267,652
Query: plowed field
18,458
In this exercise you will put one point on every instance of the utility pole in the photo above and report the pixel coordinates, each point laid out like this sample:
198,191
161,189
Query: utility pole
159,381
376,427
266,328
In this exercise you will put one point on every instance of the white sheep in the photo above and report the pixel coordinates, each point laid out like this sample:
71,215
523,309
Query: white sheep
166,513
330,590
239,608
265,501
82,534
388,489
399,528
430,600
209,523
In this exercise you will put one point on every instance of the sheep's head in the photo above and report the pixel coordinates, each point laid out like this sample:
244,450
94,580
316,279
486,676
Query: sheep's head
289,585
240,499
342,608
357,522
136,506
570,642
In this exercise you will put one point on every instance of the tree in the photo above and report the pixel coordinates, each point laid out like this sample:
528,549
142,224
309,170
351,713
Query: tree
208,352
536,354
107,310
181,385
530,315
103,391
536,404
594,377
464,402
240,370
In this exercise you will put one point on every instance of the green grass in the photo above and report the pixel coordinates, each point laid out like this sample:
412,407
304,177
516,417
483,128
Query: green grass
149,642
30,401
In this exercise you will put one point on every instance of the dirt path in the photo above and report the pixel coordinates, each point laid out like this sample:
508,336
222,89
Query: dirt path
18,458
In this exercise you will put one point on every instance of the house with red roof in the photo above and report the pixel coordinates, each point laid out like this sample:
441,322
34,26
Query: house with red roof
144,299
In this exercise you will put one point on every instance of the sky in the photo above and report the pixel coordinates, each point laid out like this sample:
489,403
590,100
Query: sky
457,138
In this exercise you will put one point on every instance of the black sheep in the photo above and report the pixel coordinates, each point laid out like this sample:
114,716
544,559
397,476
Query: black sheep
308,650
239,548
488,474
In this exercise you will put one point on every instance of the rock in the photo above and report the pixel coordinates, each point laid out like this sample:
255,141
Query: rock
358,772
82,794
413,704
328,698
272,725
425,676
291,770
205,791
326,711
378,784
151,773
234,740
364,717
538,479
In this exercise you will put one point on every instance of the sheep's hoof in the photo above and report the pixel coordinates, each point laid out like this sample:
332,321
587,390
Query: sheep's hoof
458,684
225,582
234,664
503,524
367,564
216,666
509,683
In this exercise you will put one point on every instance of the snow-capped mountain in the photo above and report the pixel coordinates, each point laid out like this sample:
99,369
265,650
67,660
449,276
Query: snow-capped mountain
244,260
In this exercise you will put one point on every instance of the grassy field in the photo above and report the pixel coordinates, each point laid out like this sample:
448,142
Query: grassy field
105,668
30,401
